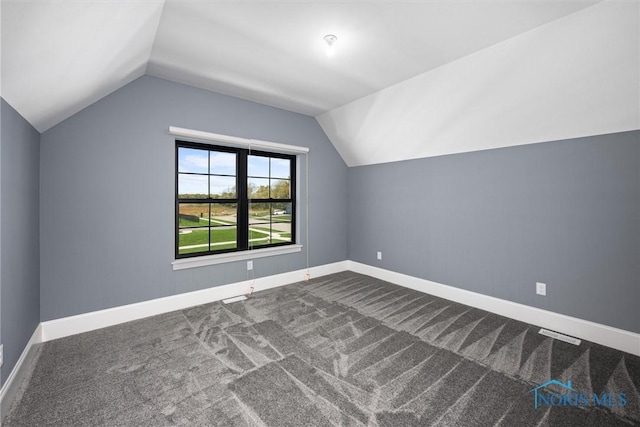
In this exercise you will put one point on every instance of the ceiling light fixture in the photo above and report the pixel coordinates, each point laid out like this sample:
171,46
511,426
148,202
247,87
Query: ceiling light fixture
330,40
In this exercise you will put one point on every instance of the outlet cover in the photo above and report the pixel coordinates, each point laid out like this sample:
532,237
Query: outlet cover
250,265
379,255
541,288
1,355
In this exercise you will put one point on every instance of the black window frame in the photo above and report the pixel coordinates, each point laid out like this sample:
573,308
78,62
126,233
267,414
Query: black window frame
242,199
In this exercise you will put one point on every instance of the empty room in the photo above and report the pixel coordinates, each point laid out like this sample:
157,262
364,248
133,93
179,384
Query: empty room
309,213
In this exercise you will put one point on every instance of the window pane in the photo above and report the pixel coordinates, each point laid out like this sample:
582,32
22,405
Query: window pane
193,215
224,214
259,213
224,219
193,223
193,240
280,168
223,237
223,187
258,188
281,212
280,189
193,186
193,160
258,166
223,163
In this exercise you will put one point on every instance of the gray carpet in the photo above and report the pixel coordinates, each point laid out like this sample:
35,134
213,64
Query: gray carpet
344,349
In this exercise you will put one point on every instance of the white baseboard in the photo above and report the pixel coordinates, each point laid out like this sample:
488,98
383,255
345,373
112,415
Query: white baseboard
85,322
11,386
584,329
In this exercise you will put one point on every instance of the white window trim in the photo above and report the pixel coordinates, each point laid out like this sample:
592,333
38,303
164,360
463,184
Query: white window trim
235,141
202,261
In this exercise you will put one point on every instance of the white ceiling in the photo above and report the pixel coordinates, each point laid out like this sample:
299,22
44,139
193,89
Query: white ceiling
60,56
576,76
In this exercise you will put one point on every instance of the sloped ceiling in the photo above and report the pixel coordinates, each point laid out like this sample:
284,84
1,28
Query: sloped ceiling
573,77
60,56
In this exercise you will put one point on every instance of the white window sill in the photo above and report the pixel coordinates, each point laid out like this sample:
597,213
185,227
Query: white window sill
181,264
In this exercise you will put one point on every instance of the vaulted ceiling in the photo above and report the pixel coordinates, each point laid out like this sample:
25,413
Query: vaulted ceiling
60,56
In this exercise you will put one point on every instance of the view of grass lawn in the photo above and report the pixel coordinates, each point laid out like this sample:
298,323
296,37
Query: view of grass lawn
265,240
197,229
188,222
274,218
218,221
196,249
281,218
197,240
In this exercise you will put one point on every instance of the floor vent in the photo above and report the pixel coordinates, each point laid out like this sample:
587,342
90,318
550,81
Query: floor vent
565,338
234,299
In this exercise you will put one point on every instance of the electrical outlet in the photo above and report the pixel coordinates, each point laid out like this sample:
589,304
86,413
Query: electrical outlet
379,255
1,354
250,265
541,288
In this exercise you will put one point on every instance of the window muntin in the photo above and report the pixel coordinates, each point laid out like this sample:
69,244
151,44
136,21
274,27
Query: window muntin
230,199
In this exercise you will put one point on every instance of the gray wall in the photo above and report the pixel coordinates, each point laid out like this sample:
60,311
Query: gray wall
566,213
19,253
107,196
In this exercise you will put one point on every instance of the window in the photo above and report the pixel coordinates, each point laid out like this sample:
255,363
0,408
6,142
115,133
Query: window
232,199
